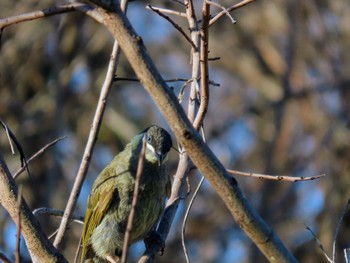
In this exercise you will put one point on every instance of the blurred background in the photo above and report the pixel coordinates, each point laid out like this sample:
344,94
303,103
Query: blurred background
282,108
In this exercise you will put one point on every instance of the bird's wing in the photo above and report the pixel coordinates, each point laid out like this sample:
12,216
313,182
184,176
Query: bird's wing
98,203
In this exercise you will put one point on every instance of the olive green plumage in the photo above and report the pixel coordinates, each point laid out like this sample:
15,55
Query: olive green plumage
110,199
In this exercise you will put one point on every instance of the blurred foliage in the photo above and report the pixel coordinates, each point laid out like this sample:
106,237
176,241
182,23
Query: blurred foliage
282,108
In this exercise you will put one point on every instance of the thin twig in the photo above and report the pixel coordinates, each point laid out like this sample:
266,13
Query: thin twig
180,97
175,25
186,217
58,213
338,227
225,10
4,258
95,127
189,208
37,154
135,199
8,21
204,69
320,245
347,254
19,225
276,177
230,9
168,11
12,138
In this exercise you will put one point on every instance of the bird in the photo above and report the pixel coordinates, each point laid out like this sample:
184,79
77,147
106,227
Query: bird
110,199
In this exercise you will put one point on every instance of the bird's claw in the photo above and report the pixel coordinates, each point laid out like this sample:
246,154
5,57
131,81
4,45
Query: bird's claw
155,237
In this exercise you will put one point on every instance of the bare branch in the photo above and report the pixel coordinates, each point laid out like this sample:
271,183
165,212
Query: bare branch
19,226
320,245
175,25
58,213
338,227
5,22
204,50
38,244
135,199
11,137
37,154
167,11
186,217
224,12
95,127
347,255
276,177
201,155
4,258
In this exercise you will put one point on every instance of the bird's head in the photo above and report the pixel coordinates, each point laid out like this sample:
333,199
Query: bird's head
158,142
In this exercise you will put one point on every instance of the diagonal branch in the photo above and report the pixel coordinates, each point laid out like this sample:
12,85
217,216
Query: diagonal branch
40,248
37,154
101,105
201,155
174,24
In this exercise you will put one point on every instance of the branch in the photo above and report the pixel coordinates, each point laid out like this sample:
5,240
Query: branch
135,199
40,248
19,226
58,213
167,11
175,25
95,127
230,9
201,155
204,50
37,154
338,227
320,245
96,124
4,258
226,11
12,20
276,177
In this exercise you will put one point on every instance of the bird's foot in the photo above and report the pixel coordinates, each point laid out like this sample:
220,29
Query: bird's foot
155,238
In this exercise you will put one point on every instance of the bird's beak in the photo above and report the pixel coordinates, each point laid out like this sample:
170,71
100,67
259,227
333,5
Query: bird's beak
160,157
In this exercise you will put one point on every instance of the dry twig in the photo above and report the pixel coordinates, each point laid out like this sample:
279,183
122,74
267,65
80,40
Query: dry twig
134,202
12,20
37,154
276,177
167,11
175,25
95,127
230,9
19,225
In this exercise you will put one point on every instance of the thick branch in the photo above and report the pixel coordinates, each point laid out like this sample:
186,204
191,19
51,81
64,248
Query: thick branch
39,246
248,219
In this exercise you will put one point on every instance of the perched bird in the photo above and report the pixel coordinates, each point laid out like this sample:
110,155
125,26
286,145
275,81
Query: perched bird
110,199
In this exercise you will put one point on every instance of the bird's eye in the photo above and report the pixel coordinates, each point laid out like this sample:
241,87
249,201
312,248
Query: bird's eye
149,138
